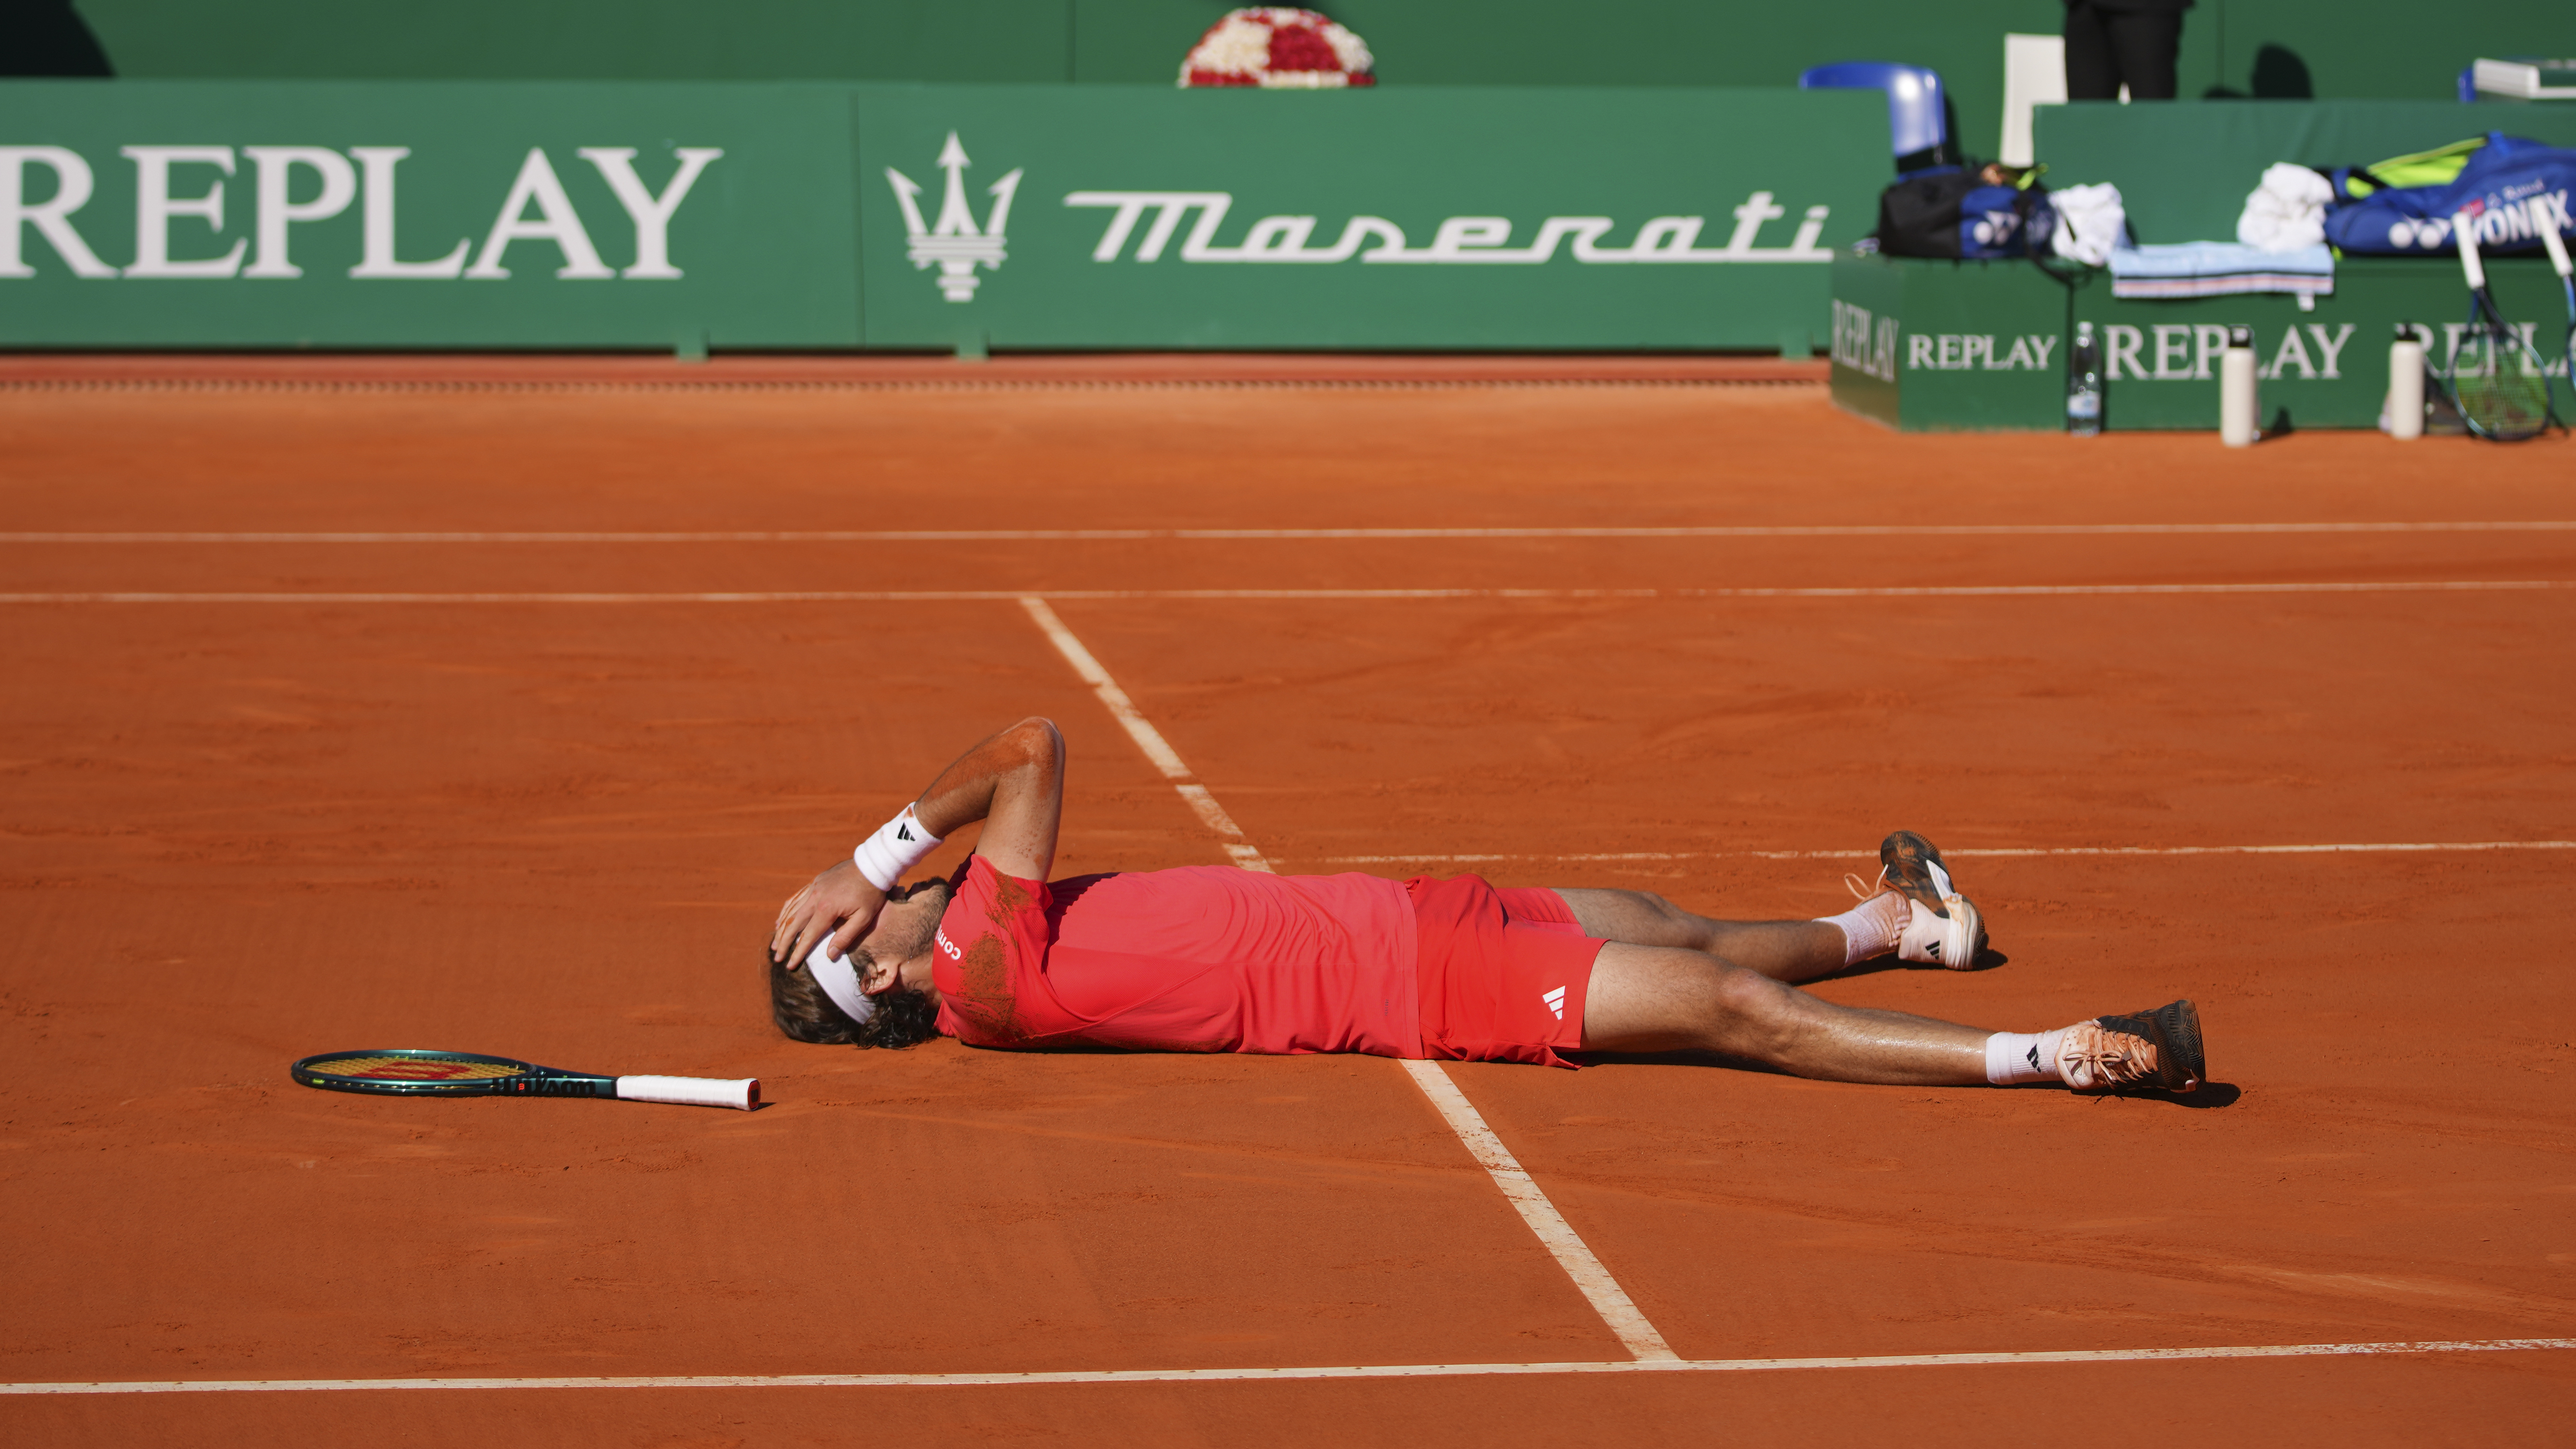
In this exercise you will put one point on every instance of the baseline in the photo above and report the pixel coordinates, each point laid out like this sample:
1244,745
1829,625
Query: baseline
1100,535
1354,1371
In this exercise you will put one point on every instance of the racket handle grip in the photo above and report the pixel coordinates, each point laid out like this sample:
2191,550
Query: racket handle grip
2464,231
741,1095
2551,218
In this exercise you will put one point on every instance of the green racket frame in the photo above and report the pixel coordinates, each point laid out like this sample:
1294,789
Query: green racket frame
525,1079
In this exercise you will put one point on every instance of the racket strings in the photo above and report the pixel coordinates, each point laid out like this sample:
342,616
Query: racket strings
2499,383
413,1069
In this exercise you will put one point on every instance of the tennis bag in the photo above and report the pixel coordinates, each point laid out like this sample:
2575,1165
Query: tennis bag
1958,214
2496,178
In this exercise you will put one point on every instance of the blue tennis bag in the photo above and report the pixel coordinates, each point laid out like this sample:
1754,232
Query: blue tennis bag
2511,184
1955,213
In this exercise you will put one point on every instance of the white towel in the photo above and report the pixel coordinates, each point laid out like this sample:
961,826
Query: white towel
2287,212
2220,269
2090,222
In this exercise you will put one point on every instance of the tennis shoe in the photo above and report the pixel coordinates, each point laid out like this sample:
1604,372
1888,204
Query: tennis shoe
1946,929
1951,940
2158,1050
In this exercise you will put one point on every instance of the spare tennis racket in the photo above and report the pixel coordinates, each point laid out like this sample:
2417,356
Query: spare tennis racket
2551,217
409,1071
2496,381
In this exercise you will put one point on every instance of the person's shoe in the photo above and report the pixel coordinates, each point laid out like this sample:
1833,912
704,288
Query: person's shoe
1947,929
2157,1050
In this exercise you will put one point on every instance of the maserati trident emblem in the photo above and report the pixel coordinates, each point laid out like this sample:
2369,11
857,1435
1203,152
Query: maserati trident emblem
954,241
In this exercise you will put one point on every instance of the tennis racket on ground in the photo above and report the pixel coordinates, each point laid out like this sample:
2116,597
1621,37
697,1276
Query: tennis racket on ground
2554,217
2496,380
409,1071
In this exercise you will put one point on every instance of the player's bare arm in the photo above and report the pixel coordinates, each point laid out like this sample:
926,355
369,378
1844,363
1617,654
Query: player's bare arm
1012,782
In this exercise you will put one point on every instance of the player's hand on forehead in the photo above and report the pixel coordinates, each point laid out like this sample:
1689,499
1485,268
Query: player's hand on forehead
839,904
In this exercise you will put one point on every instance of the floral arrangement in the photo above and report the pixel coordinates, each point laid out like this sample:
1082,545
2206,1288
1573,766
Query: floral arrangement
1278,48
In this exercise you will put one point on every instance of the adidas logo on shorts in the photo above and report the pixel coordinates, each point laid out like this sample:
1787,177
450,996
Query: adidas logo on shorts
1555,1003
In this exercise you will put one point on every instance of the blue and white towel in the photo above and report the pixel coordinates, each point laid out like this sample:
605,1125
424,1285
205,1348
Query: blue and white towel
2220,269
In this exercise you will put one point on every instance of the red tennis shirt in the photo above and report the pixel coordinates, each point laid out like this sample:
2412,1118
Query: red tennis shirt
1202,958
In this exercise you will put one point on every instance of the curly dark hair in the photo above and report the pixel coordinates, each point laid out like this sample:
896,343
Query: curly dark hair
805,1013
902,1018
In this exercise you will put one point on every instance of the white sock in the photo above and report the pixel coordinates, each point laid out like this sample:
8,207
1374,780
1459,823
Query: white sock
1873,927
2013,1058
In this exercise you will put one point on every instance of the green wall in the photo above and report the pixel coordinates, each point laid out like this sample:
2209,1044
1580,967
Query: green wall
2347,48
2183,171
686,215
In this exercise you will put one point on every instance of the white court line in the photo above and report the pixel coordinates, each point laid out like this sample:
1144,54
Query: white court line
2006,850
1101,535
1147,738
953,596
1608,1299
1275,1375
1602,1291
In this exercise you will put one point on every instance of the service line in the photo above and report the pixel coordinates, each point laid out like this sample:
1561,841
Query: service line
1602,1291
953,596
1282,1375
1113,535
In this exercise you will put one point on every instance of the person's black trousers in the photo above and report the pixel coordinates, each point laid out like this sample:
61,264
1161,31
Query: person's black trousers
2106,48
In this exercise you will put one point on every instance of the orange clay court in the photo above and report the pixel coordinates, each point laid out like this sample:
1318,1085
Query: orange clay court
498,709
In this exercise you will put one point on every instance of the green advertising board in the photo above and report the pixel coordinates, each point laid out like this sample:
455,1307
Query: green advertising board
2320,368
1935,345
688,215
1939,346
1464,218
1932,346
324,214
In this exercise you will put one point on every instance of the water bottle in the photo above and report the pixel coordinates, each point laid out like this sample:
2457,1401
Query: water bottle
2084,384
2404,416
2238,404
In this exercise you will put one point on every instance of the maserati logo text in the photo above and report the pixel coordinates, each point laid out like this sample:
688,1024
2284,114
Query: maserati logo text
1459,241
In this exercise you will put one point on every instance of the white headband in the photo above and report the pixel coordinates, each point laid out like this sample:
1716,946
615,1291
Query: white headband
840,981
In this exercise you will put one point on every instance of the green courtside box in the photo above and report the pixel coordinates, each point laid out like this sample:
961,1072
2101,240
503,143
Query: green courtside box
2323,367
1938,346
2183,172
1920,344
965,217
1927,345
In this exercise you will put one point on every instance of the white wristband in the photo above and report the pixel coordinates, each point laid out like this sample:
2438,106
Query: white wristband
898,846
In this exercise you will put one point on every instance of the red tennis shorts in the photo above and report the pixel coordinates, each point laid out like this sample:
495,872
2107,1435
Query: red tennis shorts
1503,973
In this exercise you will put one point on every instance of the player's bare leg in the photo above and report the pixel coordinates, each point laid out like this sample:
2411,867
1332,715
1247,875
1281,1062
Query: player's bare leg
1911,910
1666,999
1781,950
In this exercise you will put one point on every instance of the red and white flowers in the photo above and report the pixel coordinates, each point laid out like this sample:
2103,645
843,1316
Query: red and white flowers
1278,48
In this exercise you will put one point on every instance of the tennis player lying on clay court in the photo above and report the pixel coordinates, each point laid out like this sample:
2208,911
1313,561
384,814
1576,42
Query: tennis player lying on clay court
1219,958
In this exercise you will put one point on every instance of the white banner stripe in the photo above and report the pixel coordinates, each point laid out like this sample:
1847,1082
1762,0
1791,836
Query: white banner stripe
2006,850
1099,535
1554,1233
1261,1375
952,596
